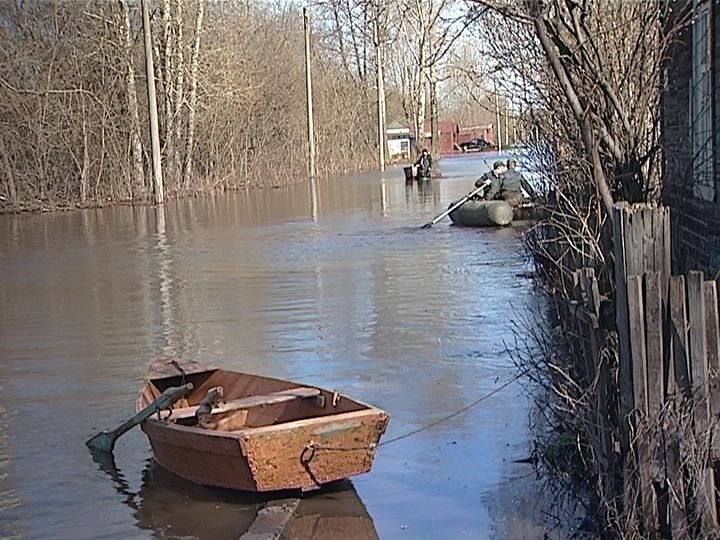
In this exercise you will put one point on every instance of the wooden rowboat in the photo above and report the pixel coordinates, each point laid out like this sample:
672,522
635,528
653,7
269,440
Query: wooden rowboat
264,435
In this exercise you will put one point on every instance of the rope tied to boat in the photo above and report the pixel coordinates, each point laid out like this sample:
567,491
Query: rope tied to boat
180,369
467,407
310,450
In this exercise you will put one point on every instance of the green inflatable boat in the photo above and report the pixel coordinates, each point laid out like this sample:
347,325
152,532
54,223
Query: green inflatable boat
476,213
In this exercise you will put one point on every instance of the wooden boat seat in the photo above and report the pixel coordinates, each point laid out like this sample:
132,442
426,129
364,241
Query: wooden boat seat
249,402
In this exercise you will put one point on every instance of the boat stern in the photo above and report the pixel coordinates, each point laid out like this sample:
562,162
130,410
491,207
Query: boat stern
308,453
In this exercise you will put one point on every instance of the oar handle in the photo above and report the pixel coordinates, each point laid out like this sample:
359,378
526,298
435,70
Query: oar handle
164,400
105,440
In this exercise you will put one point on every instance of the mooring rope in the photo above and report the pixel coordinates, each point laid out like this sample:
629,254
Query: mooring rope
456,413
180,369
309,451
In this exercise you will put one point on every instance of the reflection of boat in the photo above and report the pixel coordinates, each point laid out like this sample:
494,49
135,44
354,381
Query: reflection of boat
412,174
106,463
334,512
481,213
172,507
268,434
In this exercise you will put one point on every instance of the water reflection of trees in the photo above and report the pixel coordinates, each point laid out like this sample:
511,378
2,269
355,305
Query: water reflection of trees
167,505
9,499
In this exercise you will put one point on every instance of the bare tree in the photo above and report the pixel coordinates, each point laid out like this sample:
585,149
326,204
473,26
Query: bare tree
380,38
138,174
175,155
9,175
192,105
228,116
430,30
444,34
158,186
415,29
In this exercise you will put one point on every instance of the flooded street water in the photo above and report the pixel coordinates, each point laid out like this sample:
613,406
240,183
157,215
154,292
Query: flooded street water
336,288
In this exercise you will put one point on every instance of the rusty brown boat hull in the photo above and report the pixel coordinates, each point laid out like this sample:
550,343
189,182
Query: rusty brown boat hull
275,434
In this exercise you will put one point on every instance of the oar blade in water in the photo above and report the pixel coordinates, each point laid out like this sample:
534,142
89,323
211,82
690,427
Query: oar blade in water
103,441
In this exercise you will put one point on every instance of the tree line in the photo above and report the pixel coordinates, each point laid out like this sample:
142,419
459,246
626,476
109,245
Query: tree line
73,106
230,92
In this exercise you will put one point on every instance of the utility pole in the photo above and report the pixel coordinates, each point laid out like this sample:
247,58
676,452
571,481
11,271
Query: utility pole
497,115
381,118
311,128
507,127
380,62
159,195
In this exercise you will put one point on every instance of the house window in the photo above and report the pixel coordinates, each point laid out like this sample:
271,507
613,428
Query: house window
701,103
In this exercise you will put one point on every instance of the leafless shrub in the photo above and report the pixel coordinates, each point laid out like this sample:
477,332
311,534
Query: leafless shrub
588,88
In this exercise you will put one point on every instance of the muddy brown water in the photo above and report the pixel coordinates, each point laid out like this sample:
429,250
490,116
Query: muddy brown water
333,287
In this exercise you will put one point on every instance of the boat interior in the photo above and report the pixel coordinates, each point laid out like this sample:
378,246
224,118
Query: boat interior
247,401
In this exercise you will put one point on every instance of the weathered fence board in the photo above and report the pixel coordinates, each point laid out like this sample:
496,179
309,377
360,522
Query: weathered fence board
713,356
668,330
699,380
663,238
640,246
636,314
679,335
677,511
697,341
637,342
623,325
654,341
655,307
681,381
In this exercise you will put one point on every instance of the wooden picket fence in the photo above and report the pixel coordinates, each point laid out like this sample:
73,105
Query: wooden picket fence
662,429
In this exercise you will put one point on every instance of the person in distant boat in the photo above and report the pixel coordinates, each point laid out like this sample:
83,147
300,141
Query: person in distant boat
513,185
495,178
424,165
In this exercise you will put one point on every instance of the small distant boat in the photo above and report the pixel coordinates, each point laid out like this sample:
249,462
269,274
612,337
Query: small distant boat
264,435
411,175
481,213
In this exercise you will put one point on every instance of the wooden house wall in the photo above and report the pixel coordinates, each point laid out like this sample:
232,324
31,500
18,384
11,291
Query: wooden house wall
695,222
